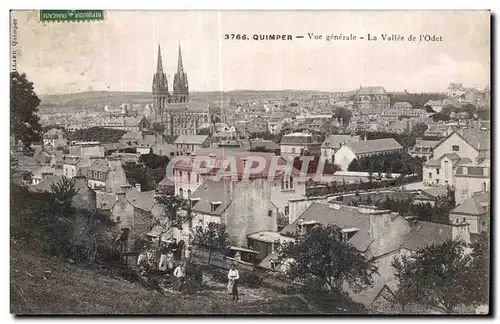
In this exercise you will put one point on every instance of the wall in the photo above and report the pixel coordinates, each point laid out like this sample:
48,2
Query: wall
116,177
291,150
69,170
281,198
297,207
96,183
473,221
123,211
466,186
430,180
248,212
85,198
142,224
466,150
343,157
183,182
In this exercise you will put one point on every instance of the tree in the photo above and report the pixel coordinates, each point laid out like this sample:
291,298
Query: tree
323,254
24,123
436,276
141,175
64,191
214,237
354,165
480,269
177,210
419,129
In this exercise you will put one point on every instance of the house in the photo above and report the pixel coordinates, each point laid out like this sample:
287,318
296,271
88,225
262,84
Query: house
85,198
72,164
105,174
243,206
378,234
41,173
266,243
292,145
458,148
283,186
402,105
475,211
135,210
436,105
274,125
471,178
440,171
455,90
423,234
355,150
191,143
423,148
55,137
333,142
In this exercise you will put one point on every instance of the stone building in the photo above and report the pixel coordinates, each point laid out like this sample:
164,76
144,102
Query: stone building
175,112
372,98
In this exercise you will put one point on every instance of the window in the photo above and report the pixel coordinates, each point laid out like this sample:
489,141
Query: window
270,213
455,148
437,181
460,170
181,193
478,171
291,182
189,176
287,210
484,186
437,171
189,193
198,178
430,175
214,206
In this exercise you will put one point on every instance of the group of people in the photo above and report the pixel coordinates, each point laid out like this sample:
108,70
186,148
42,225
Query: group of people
177,253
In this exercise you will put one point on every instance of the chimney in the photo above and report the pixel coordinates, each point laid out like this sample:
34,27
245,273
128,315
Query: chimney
138,186
379,221
460,230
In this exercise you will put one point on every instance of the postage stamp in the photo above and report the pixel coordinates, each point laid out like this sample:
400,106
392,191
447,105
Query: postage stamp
71,15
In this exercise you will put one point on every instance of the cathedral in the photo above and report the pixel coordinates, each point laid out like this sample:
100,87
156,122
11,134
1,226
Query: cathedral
174,111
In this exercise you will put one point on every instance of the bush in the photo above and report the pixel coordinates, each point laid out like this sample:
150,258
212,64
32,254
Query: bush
217,274
250,279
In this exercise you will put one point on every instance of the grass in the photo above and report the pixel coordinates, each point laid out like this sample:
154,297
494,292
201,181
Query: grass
68,289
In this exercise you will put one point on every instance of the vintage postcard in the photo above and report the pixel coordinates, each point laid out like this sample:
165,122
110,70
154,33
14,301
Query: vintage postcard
250,162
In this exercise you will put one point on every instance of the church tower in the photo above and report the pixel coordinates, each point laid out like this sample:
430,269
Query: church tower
181,88
160,92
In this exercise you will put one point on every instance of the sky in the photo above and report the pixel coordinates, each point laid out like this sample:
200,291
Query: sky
120,53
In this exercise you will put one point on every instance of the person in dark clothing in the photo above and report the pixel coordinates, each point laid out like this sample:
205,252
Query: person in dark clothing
172,247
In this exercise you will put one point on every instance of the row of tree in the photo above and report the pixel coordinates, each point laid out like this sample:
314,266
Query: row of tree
400,162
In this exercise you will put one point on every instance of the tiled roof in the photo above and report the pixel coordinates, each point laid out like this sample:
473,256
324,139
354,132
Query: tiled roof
472,206
136,136
209,192
376,145
335,141
478,139
297,138
105,201
191,139
144,200
426,143
435,191
423,234
45,184
344,217
101,165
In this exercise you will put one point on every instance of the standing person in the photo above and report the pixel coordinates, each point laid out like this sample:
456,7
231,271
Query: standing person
163,258
173,247
232,286
170,262
180,274
187,255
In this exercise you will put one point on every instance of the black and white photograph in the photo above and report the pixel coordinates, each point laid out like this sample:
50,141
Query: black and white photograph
250,162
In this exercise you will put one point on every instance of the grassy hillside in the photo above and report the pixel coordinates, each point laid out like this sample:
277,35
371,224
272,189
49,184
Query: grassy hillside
67,289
